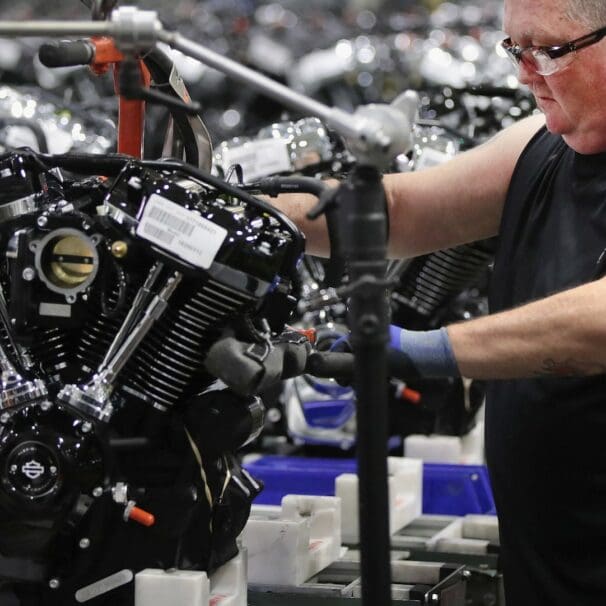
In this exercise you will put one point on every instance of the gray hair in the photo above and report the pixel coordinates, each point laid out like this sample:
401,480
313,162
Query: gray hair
590,12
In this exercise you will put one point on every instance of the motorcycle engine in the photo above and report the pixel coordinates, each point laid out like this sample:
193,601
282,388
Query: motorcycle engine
116,446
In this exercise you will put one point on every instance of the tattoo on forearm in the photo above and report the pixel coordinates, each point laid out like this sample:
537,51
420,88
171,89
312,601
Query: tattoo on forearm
570,368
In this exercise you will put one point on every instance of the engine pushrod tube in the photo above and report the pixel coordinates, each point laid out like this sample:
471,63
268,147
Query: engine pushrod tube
153,311
142,297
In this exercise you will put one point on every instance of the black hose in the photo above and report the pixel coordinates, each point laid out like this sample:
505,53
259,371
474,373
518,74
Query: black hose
274,186
109,165
33,125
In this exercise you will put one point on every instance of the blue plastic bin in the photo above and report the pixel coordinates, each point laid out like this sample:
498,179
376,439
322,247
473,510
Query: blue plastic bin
447,489
456,489
297,475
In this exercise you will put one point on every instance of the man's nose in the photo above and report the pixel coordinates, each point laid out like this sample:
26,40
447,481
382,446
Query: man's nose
527,75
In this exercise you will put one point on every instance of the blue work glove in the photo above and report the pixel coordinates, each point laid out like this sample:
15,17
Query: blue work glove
429,352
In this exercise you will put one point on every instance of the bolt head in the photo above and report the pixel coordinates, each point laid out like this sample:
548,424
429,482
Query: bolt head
86,427
28,274
119,249
84,543
42,221
97,492
54,583
274,415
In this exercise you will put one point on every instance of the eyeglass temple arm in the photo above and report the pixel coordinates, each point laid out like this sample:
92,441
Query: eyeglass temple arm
578,44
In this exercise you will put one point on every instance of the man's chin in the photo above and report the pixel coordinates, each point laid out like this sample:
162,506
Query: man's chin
554,122
583,143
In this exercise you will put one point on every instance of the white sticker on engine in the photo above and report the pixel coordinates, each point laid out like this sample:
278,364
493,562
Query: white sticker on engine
258,158
180,231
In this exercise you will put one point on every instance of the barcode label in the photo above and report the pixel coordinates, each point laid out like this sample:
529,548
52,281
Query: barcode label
164,217
180,231
160,234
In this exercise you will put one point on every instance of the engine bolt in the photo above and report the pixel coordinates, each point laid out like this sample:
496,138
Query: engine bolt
54,583
45,405
274,415
84,543
86,427
29,273
97,492
14,469
53,470
42,221
4,417
119,249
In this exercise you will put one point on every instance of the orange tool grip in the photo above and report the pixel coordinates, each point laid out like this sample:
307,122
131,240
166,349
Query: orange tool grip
412,396
309,333
136,514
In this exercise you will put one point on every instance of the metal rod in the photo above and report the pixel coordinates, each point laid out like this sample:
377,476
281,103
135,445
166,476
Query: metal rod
55,29
362,207
338,119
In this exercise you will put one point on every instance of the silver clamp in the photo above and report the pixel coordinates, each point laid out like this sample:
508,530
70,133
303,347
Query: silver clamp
93,404
17,392
135,30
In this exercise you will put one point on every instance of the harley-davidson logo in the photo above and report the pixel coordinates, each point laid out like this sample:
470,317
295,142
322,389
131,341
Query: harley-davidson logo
33,470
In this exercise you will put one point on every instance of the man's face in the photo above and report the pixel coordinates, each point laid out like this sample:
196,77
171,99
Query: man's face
574,99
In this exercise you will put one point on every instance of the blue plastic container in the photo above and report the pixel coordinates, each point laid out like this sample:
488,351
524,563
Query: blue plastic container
456,489
447,489
297,475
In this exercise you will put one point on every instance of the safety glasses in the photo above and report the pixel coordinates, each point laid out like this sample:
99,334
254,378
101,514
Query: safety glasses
547,60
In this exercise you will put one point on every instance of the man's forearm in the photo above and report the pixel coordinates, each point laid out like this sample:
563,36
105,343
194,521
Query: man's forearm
296,206
562,335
